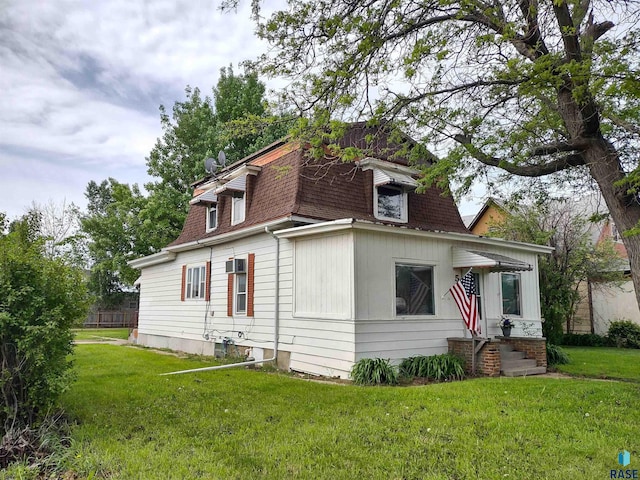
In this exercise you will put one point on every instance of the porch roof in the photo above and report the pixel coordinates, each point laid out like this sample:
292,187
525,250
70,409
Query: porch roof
496,262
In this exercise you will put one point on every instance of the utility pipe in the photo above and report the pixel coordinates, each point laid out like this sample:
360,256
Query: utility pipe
276,324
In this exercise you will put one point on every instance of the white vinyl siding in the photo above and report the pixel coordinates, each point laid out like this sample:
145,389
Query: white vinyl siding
323,277
317,346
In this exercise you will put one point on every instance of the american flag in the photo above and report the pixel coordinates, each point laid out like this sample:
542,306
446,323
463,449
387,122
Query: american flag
464,294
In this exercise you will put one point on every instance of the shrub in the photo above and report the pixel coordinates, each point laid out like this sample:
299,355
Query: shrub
584,340
40,299
556,355
436,367
624,334
374,371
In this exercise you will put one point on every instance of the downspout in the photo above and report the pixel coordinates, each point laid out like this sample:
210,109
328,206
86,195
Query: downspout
276,324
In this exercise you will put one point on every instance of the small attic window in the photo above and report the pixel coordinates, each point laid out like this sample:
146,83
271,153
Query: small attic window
390,203
237,208
391,184
212,217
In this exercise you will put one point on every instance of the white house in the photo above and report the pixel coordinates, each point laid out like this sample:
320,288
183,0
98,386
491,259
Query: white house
328,264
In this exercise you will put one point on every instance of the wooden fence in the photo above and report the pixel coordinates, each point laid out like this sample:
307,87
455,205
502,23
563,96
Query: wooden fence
112,319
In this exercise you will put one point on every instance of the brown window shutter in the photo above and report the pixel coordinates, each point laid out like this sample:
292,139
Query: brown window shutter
207,283
230,295
250,283
184,282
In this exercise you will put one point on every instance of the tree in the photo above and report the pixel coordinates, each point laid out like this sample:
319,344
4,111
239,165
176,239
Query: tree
41,297
115,225
531,89
59,225
123,224
567,227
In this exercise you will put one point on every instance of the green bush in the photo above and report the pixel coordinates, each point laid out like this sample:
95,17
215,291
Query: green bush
40,299
374,371
624,334
436,367
556,355
584,340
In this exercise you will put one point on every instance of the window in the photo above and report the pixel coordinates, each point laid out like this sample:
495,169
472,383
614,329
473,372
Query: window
391,203
615,233
241,293
511,294
196,279
212,217
414,290
237,208
478,292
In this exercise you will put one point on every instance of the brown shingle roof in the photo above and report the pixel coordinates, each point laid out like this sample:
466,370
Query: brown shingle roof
291,184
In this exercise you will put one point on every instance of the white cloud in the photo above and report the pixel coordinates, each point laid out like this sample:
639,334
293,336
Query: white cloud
82,81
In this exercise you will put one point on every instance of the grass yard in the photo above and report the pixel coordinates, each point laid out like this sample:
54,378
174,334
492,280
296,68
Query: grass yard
600,362
244,424
98,333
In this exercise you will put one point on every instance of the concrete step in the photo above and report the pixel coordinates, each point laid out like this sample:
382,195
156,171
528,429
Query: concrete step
522,363
512,355
505,347
522,372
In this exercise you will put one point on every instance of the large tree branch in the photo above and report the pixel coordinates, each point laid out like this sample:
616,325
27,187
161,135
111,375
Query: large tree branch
568,30
560,147
527,170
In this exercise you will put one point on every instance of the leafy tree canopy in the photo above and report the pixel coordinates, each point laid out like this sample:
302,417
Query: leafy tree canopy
122,223
532,89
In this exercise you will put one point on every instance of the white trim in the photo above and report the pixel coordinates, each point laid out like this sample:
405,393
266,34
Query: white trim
208,227
521,315
163,256
234,207
404,216
414,263
350,223
370,163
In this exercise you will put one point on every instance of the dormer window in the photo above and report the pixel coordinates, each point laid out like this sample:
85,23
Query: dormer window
237,208
390,203
212,217
391,184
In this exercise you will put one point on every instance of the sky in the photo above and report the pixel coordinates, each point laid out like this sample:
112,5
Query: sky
81,84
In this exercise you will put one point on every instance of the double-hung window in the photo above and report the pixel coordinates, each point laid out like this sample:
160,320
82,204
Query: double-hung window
212,217
414,290
511,289
241,293
237,208
196,281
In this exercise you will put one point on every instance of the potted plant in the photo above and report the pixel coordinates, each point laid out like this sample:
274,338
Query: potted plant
506,324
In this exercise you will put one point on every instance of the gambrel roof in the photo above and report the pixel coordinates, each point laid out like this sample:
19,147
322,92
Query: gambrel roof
281,181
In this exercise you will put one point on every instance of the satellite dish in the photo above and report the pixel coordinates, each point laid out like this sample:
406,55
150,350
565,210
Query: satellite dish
222,158
210,165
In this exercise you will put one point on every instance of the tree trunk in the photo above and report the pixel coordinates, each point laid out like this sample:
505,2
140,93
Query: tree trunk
604,165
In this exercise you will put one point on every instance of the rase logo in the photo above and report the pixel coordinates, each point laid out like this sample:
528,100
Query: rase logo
624,459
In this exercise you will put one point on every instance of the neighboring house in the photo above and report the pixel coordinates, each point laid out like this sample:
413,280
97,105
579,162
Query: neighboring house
492,212
601,302
334,261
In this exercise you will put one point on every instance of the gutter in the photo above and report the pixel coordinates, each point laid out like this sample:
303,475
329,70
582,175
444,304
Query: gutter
276,324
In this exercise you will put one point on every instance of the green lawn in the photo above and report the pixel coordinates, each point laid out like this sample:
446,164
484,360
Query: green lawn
244,424
600,362
97,333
